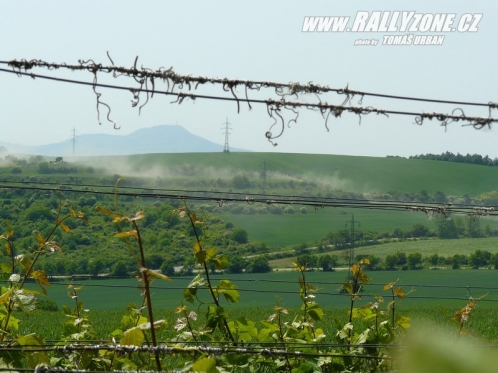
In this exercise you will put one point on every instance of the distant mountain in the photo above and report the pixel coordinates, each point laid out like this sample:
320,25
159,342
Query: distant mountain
158,139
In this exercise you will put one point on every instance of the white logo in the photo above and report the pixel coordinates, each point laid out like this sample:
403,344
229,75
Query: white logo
406,22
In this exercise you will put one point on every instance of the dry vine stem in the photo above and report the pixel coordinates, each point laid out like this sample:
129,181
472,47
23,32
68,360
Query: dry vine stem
146,76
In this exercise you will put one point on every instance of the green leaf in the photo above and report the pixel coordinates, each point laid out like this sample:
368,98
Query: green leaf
362,338
132,233
40,240
231,295
189,294
157,325
244,329
65,228
344,332
33,342
220,262
200,256
191,290
348,287
67,310
24,261
5,270
153,273
206,364
228,289
316,313
98,208
41,278
403,321
5,297
265,333
132,337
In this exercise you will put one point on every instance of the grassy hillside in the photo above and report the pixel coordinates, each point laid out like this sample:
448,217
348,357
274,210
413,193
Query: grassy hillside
426,247
464,246
288,229
356,174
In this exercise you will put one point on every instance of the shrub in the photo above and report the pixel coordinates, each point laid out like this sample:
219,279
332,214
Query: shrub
239,235
47,305
259,265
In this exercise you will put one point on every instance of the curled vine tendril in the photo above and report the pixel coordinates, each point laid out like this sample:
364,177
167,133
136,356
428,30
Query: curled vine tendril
146,80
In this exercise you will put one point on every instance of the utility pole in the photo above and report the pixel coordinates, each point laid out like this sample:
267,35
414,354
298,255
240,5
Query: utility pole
73,137
352,223
226,148
263,176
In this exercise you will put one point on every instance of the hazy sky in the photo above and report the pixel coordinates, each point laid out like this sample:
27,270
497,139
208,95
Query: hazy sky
257,40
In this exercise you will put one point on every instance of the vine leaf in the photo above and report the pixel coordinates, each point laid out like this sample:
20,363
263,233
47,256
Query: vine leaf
132,233
152,273
229,291
53,246
42,280
132,337
34,342
205,364
5,297
64,227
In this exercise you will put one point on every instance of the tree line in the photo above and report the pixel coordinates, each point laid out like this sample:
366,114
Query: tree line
460,158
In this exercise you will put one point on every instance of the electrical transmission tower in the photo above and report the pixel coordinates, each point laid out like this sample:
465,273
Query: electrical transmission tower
352,223
73,138
226,148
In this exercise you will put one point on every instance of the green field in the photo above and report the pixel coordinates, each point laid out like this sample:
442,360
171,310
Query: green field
482,324
333,172
426,247
463,246
436,295
350,173
264,290
288,229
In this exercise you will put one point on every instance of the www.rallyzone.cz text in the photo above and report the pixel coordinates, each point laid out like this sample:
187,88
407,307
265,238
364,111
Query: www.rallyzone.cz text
395,22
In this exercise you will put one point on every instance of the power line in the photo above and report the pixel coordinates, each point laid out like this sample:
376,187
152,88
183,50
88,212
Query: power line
315,202
293,88
274,107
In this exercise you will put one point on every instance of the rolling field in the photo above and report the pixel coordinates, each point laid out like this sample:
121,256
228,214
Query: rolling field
426,247
463,246
288,229
433,288
357,174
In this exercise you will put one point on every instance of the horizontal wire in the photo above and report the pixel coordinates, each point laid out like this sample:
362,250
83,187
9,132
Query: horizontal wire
335,109
289,196
316,203
235,280
314,345
193,349
186,79
294,292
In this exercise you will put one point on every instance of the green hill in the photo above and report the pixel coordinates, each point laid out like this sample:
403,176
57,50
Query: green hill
277,226
349,173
